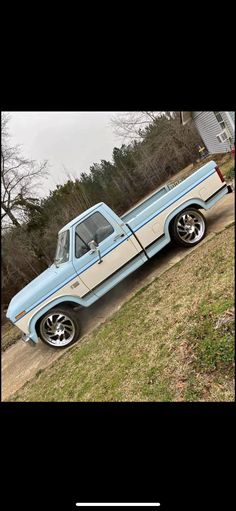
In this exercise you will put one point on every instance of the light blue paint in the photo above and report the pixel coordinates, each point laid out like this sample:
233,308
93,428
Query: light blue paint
53,279
147,202
156,247
90,299
147,214
50,279
82,216
103,254
99,206
47,283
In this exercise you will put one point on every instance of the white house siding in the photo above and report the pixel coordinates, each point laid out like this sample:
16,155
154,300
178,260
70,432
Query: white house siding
209,128
229,121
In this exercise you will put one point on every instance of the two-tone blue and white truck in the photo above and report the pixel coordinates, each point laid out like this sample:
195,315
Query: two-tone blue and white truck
98,249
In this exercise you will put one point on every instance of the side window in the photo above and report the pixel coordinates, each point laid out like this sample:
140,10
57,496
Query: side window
96,228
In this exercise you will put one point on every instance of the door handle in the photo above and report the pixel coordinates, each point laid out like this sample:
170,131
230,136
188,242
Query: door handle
98,253
118,236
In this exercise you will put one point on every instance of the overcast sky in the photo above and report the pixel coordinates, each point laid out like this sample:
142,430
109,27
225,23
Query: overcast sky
70,141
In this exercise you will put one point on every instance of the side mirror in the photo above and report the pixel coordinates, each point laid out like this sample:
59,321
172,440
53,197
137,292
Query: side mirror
94,248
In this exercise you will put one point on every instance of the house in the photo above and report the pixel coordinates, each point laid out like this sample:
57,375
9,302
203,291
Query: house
215,128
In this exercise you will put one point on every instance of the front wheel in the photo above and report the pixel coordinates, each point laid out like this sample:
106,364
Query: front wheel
188,228
59,327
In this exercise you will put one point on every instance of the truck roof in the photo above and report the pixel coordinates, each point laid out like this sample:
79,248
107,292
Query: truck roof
79,217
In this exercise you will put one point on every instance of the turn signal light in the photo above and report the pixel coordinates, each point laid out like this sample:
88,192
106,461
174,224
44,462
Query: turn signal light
22,313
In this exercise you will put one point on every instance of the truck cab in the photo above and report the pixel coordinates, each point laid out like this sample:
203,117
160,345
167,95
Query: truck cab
94,252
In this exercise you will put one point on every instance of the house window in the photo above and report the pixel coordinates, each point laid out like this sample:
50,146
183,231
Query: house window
220,120
222,137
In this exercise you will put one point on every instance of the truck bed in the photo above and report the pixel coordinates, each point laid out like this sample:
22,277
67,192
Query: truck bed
131,213
165,196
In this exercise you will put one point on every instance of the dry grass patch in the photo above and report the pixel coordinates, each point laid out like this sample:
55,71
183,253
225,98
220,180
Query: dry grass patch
10,335
228,168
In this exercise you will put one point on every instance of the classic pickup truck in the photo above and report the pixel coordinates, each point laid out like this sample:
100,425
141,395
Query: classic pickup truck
98,249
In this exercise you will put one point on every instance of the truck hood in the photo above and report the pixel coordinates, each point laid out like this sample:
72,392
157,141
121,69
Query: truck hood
39,289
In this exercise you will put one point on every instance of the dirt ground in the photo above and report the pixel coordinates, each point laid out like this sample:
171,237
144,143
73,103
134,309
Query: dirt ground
21,361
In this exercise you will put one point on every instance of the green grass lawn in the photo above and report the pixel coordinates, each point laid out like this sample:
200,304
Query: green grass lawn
173,341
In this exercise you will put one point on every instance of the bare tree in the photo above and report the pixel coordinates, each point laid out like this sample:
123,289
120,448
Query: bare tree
130,125
19,178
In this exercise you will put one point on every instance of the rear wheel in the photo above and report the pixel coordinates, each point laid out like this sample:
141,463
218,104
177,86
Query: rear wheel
59,327
188,228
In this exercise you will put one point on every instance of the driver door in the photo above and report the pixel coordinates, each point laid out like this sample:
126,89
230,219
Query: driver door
117,248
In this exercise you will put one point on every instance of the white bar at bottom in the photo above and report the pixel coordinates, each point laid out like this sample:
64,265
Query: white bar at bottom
118,504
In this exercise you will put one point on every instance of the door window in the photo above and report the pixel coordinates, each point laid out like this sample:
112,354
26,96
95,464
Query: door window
96,228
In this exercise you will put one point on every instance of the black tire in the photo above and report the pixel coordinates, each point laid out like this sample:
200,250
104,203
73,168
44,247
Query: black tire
188,228
65,322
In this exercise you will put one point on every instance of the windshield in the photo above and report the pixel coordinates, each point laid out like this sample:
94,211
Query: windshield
62,251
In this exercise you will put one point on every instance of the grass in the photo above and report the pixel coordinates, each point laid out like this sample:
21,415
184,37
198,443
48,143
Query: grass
170,342
10,335
228,168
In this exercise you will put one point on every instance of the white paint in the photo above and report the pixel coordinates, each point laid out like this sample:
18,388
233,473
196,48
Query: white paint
122,254
116,258
90,278
230,120
80,291
155,227
118,504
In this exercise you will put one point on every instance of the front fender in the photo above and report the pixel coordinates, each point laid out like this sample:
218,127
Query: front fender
61,299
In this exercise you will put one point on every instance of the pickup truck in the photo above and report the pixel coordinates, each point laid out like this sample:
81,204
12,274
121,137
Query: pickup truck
98,249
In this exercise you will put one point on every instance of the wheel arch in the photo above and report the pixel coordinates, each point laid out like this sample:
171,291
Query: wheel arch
193,203
61,301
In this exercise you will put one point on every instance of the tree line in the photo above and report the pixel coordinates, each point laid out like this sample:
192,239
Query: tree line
30,225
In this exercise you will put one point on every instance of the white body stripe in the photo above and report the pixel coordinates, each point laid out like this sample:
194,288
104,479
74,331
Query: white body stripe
111,262
90,277
80,291
155,228
124,252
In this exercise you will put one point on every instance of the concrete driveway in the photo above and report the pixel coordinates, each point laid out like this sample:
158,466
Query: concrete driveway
21,361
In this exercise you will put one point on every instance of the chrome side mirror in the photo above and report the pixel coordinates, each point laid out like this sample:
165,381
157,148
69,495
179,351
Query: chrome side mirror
95,248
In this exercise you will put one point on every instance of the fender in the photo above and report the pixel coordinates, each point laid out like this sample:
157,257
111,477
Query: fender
191,202
61,299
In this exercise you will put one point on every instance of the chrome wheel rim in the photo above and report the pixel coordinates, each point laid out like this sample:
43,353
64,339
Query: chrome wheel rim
190,227
57,329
